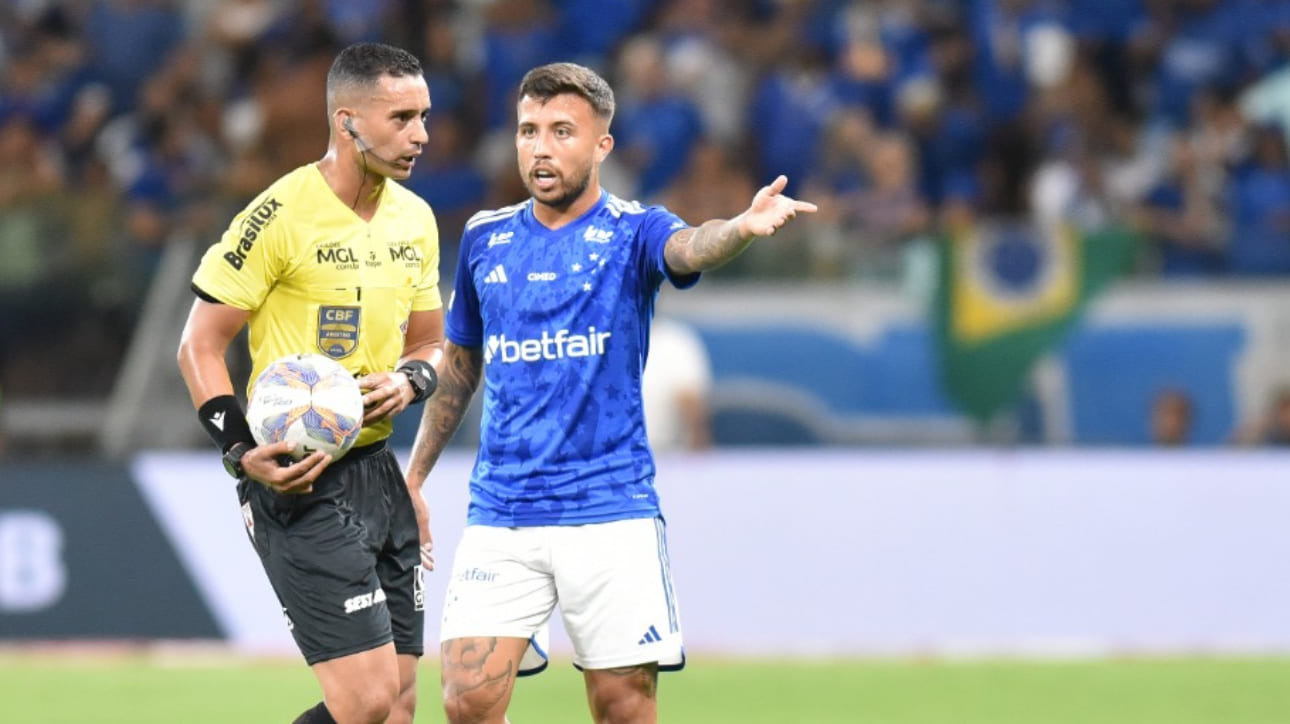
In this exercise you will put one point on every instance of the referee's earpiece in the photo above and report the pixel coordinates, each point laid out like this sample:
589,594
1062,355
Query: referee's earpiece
363,147
348,123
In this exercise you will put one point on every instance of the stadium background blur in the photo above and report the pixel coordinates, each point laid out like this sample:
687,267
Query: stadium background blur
132,130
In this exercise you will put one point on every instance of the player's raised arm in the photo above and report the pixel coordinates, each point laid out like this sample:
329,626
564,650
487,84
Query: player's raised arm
716,242
459,376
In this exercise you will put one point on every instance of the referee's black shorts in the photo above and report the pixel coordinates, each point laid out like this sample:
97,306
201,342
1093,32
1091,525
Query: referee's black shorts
344,560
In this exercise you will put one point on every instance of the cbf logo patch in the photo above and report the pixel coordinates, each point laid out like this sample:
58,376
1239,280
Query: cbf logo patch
337,331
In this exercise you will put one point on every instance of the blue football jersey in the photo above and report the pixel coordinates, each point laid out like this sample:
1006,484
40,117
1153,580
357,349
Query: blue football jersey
563,320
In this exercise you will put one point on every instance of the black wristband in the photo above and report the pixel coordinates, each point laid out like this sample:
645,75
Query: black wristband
422,377
224,421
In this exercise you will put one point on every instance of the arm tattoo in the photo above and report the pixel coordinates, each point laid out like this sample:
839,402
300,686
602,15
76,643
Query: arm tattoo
704,247
458,378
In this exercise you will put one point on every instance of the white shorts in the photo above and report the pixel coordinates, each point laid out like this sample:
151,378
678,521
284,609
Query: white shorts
612,581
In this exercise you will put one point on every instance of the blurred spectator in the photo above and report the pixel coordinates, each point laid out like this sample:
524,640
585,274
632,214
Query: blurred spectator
878,218
276,127
234,31
591,29
518,35
1183,218
30,175
453,88
710,74
1260,240
1270,428
124,123
1171,418
129,40
1192,44
676,388
1068,188
655,127
714,185
790,109
864,71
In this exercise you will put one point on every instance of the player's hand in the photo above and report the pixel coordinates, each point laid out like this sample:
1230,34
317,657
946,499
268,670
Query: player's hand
261,464
771,209
385,394
423,528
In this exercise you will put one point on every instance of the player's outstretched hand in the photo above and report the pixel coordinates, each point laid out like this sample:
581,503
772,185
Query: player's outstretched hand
771,209
385,394
261,464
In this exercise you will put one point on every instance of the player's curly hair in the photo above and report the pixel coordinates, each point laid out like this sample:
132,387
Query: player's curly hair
548,81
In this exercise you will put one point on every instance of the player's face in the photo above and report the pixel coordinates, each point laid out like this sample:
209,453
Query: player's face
392,123
560,144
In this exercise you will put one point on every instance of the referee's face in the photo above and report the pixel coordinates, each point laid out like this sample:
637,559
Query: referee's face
560,143
392,125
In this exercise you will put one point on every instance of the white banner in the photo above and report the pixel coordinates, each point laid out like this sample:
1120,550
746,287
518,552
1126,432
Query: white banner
885,553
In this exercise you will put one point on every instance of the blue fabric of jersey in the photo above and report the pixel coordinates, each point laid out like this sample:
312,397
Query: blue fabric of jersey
562,317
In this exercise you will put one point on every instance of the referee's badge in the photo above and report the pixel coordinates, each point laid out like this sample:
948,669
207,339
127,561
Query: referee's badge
338,330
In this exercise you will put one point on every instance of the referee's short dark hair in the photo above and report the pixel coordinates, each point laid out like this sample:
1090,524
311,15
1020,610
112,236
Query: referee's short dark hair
363,64
548,81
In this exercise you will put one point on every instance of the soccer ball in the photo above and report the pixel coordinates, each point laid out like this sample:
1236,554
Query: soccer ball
309,399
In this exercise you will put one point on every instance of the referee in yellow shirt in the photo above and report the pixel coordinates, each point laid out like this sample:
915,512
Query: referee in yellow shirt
336,258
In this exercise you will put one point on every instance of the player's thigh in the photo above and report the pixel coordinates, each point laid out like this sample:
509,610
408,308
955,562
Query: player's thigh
626,693
614,582
501,586
478,675
356,685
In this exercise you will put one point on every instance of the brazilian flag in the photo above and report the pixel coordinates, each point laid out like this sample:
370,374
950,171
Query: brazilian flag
1008,294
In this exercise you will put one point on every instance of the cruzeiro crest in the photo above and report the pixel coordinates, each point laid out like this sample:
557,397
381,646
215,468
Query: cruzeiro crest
338,331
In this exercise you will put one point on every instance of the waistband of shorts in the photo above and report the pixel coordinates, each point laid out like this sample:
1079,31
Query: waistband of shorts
364,451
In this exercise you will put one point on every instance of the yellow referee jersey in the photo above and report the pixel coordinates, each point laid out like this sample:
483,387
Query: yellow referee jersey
317,278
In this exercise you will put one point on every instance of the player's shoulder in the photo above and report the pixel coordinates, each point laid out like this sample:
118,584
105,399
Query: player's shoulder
493,217
638,216
619,207
491,221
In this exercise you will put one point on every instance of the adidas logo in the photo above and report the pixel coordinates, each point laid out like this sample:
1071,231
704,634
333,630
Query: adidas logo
496,276
651,636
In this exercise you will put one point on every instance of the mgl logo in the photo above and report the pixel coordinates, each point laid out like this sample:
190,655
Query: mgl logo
549,346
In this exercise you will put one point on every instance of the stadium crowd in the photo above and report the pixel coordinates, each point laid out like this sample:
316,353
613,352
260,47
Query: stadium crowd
128,124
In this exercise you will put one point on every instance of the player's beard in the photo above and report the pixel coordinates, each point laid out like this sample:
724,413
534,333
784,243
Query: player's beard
565,193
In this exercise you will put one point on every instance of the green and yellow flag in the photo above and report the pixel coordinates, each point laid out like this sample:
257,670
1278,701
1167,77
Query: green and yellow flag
1008,294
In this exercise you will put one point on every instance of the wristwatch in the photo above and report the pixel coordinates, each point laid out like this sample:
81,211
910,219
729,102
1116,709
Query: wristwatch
421,376
233,459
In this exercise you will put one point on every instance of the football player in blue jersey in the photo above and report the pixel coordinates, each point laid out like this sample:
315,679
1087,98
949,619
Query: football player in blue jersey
552,306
